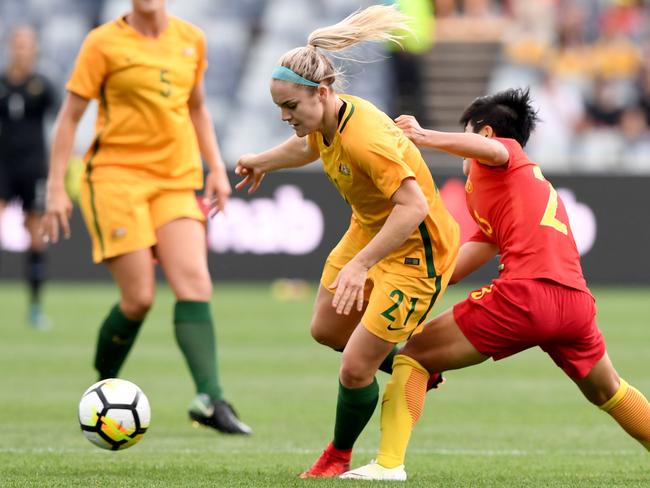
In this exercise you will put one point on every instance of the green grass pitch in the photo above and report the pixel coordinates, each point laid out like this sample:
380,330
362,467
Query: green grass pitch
514,423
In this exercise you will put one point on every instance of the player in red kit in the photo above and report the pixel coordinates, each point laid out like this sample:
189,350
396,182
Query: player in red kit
540,297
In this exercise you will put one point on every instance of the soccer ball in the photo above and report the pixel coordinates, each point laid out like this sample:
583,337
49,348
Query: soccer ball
114,414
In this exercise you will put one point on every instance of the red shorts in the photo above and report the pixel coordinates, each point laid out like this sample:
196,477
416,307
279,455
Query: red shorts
509,316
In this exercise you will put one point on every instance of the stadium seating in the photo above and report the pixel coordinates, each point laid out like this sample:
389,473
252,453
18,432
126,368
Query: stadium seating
246,37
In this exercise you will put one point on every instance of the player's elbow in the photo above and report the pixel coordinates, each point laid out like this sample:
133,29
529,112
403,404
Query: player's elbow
410,198
421,208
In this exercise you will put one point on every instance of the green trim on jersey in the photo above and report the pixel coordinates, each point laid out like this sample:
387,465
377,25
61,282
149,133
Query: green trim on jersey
89,170
428,250
347,118
434,298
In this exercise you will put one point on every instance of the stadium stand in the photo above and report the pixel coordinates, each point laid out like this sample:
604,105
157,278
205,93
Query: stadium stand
587,64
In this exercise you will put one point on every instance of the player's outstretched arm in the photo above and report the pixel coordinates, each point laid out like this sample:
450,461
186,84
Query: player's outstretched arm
464,144
292,153
217,187
472,256
58,206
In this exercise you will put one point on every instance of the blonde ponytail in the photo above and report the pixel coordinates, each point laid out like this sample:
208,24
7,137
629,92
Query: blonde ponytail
375,24
378,23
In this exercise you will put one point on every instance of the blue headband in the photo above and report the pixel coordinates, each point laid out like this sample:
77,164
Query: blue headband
286,74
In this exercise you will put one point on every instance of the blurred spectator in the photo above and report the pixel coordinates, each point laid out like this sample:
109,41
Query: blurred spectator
625,17
531,36
643,85
479,8
594,49
561,113
635,156
603,105
407,63
614,55
469,20
598,150
570,57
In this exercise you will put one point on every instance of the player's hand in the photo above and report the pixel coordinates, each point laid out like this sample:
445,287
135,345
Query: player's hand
217,192
250,172
411,128
349,284
58,210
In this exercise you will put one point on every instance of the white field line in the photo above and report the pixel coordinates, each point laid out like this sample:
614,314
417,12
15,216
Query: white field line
289,451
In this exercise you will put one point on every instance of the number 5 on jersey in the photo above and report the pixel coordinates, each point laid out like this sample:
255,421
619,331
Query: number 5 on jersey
167,85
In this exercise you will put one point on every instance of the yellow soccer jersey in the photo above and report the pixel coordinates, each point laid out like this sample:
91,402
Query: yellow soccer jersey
143,85
367,162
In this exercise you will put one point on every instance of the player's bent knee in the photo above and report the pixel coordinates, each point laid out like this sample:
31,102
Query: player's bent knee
353,376
201,293
601,383
325,337
137,306
196,288
319,335
599,394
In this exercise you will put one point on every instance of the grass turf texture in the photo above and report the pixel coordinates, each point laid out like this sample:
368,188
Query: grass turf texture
518,422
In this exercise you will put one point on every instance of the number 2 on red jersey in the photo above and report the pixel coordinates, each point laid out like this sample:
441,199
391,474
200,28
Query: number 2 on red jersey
550,214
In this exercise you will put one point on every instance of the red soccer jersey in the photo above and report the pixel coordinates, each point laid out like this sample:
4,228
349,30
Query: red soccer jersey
517,209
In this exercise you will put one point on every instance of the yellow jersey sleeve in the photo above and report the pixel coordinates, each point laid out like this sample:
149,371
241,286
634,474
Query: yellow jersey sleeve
202,65
381,159
90,68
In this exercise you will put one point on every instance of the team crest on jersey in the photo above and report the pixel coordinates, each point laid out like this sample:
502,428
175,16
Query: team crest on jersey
344,169
469,188
188,51
118,233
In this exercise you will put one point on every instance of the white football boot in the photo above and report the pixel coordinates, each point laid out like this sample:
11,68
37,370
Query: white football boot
374,471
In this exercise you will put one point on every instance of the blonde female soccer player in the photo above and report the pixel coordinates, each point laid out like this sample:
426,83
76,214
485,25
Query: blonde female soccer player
384,276
137,195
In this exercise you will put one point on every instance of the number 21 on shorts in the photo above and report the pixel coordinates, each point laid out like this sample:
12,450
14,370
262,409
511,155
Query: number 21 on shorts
398,295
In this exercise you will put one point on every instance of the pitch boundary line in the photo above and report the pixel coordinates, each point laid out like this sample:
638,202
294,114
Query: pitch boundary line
289,451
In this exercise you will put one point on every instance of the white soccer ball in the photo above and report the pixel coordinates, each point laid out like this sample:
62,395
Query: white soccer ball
114,414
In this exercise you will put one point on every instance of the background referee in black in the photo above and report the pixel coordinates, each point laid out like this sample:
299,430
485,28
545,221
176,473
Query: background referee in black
25,99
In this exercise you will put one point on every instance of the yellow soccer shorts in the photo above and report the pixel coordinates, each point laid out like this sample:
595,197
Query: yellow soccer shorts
398,305
122,217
